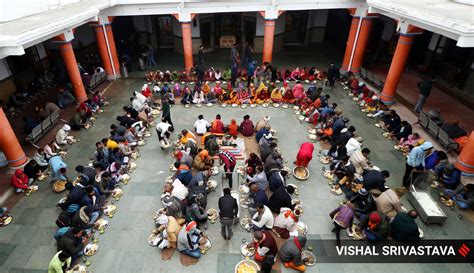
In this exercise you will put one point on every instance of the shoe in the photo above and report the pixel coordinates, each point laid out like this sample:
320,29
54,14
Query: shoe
205,226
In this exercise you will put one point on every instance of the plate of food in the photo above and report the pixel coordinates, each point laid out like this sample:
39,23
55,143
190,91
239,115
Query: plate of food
244,106
205,244
313,137
265,105
312,131
248,250
125,178
252,105
173,168
328,175
308,257
296,107
214,171
117,193
187,105
209,104
154,238
301,173
244,189
223,105
325,159
241,170
110,210
302,228
101,225
91,249
132,166
212,215
276,105
447,201
59,186
211,185
169,179
245,223
301,118
335,191
379,125
284,106
247,266
147,134
234,105
6,220
78,268
62,200
198,105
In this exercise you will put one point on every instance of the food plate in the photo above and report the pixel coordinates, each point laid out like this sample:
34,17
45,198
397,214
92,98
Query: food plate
209,104
59,186
296,107
335,191
379,125
110,210
244,189
214,171
246,250
170,179
132,166
252,105
147,134
265,105
328,175
91,249
141,142
125,178
301,173
312,137
187,105
198,105
62,200
301,118
386,135
397,147
276,105
309,257
117,193
447,201
302,228
235,105
223,105
205,244
241,170
244,106
296,188
42,177
154,239
325,159
78,268
247,266
211,185
212,214
173,168
101,225
245,223
155,112
135,155
312,131
7,221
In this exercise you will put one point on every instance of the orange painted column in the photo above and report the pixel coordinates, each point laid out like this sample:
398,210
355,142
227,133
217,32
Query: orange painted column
350,44
113,49
9,144
268,37
70,62
103,51
361,45
405,41
187,45
465,160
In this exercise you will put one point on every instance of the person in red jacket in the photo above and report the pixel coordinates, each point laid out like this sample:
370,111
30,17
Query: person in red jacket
233,128
20,181
305,154
217,126
265,245
246,127
229,161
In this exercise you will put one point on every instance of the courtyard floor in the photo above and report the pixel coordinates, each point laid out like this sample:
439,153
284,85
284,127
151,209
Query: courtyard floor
27,244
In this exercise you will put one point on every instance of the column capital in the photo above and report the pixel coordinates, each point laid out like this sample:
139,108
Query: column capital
404,28
184,17
271,14
66,37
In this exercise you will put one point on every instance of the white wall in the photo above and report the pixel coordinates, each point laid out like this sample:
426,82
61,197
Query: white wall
279,25
196,32
10,10
5,71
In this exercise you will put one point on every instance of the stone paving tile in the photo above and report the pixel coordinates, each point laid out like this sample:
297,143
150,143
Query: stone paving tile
5,252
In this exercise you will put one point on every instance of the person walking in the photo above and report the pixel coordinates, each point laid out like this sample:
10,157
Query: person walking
228,210
234,55
425,90
333,74
166,114
200,65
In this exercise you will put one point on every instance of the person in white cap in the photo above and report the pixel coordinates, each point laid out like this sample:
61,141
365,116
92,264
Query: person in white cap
415,164
286,222
62,135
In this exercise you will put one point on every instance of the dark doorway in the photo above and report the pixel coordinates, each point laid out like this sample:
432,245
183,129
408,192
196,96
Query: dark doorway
250,26
295,27
205,26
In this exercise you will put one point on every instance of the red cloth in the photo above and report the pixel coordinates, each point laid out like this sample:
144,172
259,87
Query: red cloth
233,128
217,127
20,180
305,154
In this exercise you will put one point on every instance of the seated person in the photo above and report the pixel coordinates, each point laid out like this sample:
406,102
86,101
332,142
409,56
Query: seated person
403,227
265,245
453,130
233,97
464,196
246,127
388,203
290,253
403,131
19,181
262,219
281,197
244,96
4,213
188,240
187,97
62,136
172,198
436,158
72,243
59,263
286,222
211,97
276,94
348,185
169,227
177,90
198,97
364,203
256,196
195,211
203,161
287,93
298,91
233,128
259,178
375,227
374,181
449,175
33,170
217,126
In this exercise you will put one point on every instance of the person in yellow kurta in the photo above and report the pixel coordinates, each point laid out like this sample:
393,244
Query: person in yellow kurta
252,92
258,93
276,95
59,263
233,97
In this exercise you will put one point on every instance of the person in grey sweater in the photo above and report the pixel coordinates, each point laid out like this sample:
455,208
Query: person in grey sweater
290,253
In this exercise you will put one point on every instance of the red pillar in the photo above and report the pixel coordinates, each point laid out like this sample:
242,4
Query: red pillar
113,49
465,160
186,32
268,37
350,43
103,50
397,66
9,144
72,70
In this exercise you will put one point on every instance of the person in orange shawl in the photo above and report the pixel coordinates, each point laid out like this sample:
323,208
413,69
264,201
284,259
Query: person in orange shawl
276,95
217,126
206,88
233,97
19,181
305,154
233,128
262,95
187,134
203,161
252,92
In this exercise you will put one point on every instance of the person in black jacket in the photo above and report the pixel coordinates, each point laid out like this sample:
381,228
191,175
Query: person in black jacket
84,218
74,197
228,210
71,243
333,74
281,198
364,203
